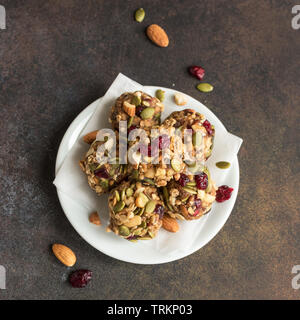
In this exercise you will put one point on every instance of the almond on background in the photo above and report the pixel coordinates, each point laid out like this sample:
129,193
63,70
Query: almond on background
64,254
170,224
158,35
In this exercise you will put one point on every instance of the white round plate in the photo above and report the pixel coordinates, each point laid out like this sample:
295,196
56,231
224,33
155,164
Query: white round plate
124,250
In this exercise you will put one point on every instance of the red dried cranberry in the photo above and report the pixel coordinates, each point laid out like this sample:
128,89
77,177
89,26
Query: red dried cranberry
145,150
131,238
197,202
183,180
223,193
131,128
201,181
101,173
208,127
197,71
139,109
164,142
159,209
80,278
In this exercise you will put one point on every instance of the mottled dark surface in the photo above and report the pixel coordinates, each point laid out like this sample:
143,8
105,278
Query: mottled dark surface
58,56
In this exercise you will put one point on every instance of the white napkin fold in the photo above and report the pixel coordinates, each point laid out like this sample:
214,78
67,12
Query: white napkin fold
72,181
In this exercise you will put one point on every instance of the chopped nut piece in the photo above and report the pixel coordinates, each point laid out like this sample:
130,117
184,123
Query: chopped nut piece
94,218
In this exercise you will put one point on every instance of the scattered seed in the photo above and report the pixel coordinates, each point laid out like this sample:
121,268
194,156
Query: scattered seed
223,164
139,15
205,87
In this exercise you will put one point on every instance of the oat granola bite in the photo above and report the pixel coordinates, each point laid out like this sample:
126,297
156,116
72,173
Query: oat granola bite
139,109
136,211
190,119
102,175
190,197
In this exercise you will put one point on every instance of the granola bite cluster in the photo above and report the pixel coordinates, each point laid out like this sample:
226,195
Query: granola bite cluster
102,176
139,110
202,130
190,197
136,211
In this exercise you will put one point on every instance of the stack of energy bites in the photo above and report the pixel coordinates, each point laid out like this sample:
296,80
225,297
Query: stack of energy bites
156,187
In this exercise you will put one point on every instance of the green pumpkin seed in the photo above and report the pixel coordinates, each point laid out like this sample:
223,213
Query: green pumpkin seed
136,100
119,206
117,195
137,232
205,87
130,122
129,192
123,195
197,139
160,94
135,174
149,181
185,199
104,184
189,190
147,113
176,165
124,231
152,235
145,238
139,15
170,206
143,224
150,206
165,193
223,164
141,211
191,184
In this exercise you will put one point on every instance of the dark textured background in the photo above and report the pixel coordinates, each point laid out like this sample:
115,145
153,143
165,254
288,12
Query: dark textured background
58,56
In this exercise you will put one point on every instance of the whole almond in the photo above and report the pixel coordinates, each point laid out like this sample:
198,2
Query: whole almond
90,137
94,218
64,254
158,35
170,224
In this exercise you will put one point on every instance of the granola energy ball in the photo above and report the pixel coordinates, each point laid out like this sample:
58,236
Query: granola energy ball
102,177
190,119
139,110
136,211
190,197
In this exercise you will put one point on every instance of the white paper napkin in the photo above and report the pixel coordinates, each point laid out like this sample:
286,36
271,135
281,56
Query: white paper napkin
72,181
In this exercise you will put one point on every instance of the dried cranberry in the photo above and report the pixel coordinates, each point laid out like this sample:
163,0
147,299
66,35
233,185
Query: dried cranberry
197,71
131,128
80,278
201,181
131,238
197,202
101,173
183,180
145,150
208,127
159,209
223,193
164,142
139,109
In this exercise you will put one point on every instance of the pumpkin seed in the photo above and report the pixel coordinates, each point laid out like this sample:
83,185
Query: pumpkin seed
129,192
123,195
147,113
149,181
136,100
143,224
137,232
150,206
205,87
135,174
152,235
165,193
223,164
117,195
197,139
185,199
104,184
119,206
141,211
130,122
139,15
145,238
189,190
191,184
124,231
176,165
160,94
